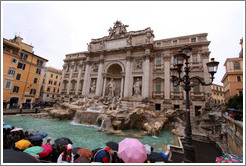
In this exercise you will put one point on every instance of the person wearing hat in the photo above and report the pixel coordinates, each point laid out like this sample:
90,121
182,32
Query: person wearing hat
66,156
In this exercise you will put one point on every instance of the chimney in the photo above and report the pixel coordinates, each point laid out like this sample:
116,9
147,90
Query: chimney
18,39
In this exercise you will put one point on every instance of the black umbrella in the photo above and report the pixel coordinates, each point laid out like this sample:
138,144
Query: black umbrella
35,138
75,150
154,157
113,145
63,141
12,156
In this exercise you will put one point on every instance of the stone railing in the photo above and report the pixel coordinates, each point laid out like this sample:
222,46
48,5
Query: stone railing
234,135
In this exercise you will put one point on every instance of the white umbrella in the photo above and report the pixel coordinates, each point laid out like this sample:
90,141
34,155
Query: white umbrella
16,129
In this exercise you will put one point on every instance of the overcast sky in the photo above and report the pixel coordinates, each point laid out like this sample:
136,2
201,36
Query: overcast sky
59,28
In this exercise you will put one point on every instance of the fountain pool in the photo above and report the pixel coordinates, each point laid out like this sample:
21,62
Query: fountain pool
81,135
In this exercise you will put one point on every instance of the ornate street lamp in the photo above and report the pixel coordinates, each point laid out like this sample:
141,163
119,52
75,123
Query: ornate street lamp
185,82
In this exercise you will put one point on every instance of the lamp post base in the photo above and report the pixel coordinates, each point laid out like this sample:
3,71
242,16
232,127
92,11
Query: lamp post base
189,152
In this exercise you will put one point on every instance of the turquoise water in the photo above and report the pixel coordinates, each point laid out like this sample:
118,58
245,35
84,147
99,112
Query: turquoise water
83,136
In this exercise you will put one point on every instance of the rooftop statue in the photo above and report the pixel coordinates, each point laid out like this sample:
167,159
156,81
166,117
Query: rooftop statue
118,30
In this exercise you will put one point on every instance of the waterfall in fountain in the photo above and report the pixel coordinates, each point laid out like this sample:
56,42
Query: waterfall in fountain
86,117
154,134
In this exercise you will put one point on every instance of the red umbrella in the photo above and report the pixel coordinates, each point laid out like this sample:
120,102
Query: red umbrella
46,151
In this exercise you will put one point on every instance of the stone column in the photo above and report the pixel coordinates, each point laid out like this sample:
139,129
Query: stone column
167,86
70,78
122,86
205,60
79,77
127,76
87,78
63,74
146,75
99,77
104,86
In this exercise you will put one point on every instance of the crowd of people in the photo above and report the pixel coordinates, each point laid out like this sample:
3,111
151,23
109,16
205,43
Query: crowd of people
62,153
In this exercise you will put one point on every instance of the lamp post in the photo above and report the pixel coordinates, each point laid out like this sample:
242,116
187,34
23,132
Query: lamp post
185,81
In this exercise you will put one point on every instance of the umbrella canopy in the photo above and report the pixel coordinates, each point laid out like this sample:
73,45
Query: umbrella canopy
22,144
63,141
132,151
94,151
85,152
102,156
16,129
113,145
156,157
46,151
43,134
148,148
32,131
34,150
82,159
230,158
13,156
7,126
35,138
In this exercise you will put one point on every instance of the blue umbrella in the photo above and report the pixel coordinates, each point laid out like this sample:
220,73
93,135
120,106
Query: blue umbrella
35,138
7,126
43,134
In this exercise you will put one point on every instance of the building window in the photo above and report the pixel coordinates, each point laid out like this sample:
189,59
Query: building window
14,61
158,87
56,76
33,92
51,75
16,89
39,62
158,107
176,88
38,71
73,86
196,88
217,88
214,93
54,89
176,106
35,80
76,67
158,44
50,82
57,90
238,79
64,85
8,84
55,83
48,89
21,66
175,42
193,40
18,76
67,68
236,65
24,56
48,95
11,71
220,89
84,67
195,57
158,61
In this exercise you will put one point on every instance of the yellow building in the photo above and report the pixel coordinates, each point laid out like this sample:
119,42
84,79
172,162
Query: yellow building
233,78
218,93
22,72
51,84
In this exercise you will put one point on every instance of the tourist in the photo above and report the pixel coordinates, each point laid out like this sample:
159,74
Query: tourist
66,156
48,142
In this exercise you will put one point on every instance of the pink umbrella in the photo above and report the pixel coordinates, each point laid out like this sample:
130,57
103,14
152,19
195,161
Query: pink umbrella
46,151
132,151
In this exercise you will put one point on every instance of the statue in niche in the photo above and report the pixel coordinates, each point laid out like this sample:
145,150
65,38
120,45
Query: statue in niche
148,36
138,64
95,67
111,88
129,41
137,87
89,47
93,86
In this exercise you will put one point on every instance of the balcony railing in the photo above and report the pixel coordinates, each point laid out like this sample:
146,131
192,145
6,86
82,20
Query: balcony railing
158,94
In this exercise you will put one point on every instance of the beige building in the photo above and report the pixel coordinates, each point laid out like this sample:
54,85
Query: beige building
134,67
233,78
51,84
218,94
